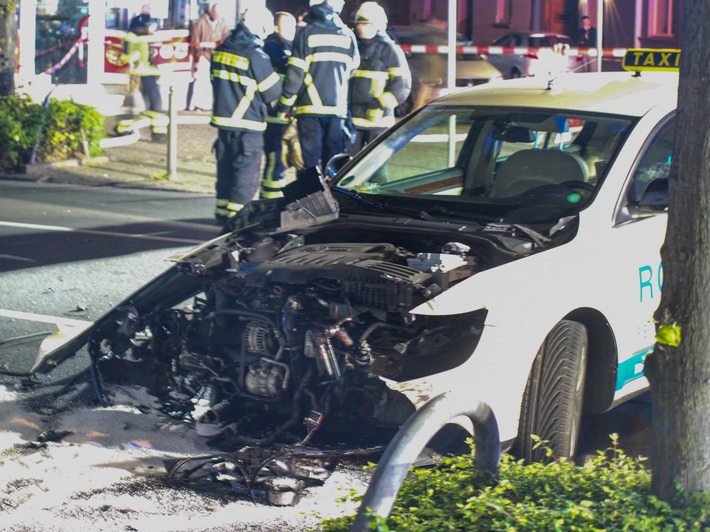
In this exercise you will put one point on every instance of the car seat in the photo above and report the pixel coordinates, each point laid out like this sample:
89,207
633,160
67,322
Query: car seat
528,169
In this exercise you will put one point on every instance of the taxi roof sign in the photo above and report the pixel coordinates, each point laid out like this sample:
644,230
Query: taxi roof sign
651,59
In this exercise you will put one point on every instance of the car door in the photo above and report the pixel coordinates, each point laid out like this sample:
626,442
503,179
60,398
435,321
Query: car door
638,236
510,65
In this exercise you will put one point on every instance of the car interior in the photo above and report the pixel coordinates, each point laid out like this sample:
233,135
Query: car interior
491,155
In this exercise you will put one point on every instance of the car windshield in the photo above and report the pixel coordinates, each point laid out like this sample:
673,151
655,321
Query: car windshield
500,159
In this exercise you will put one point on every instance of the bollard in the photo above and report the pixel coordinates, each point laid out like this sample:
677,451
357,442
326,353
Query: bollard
412,437
172,136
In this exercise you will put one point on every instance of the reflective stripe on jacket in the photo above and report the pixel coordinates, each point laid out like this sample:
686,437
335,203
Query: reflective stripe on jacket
324,57
243,82
381,83
140,54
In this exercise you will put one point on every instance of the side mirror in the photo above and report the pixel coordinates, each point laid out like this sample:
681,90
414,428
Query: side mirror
654,200
335,164
655,197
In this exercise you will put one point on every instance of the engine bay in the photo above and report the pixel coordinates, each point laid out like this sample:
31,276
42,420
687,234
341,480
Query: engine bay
285,337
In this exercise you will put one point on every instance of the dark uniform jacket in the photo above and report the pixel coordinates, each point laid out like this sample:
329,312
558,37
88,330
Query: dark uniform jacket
243,82
324,56
381,83
279,50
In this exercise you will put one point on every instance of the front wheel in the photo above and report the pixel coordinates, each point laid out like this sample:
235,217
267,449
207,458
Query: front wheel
552,404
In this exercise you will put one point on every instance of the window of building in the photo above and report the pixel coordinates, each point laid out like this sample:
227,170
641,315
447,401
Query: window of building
660,17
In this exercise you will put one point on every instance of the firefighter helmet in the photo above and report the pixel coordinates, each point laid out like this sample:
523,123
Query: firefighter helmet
373,13
259,21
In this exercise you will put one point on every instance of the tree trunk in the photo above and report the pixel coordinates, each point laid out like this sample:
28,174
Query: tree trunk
680,375
8,37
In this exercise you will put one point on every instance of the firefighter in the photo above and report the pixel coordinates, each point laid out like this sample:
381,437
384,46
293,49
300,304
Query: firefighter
315,87
244,84
140,57
381,82
278,47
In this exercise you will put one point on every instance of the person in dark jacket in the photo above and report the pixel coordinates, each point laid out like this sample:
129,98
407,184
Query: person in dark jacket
587,38
278,47
315,88
244,84
381,82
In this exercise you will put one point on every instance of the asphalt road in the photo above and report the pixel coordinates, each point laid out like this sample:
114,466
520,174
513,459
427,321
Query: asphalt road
69,253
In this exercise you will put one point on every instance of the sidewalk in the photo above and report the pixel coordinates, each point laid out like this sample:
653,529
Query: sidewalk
141,163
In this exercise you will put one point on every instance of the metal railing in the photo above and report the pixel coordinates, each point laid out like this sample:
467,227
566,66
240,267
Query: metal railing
411,439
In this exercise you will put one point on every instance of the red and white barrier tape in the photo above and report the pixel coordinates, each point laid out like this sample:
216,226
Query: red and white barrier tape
510,50
77,46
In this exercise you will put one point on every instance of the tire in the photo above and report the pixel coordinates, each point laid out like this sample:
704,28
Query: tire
552,404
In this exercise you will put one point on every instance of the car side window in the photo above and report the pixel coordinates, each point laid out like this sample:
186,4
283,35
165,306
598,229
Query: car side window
655,162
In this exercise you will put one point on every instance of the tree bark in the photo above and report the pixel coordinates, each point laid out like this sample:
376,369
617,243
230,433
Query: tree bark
8,37
680,375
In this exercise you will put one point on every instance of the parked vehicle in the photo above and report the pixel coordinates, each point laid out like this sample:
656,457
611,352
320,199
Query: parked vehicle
502,243
429,70
550,59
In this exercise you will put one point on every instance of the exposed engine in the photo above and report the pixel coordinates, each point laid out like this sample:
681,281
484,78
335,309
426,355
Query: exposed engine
282,339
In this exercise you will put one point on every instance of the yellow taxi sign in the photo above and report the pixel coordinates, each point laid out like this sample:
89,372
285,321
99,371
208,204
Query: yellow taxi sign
651,59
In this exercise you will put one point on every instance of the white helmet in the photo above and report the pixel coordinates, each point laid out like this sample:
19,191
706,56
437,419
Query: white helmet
373,13
259,21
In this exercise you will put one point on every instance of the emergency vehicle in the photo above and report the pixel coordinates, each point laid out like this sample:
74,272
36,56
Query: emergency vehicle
503,243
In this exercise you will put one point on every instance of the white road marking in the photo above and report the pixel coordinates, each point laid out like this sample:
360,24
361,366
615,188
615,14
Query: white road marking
61,229
15,257
43,318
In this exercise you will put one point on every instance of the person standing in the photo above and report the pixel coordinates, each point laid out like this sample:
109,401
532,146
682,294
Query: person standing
244,83
141,19
278,47
315,87
140,59
146,75
587,38
209,30
381,82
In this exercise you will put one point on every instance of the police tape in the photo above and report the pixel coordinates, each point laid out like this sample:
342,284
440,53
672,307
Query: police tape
512,50
76,47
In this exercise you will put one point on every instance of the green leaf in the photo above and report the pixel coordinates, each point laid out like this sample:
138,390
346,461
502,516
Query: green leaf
668,335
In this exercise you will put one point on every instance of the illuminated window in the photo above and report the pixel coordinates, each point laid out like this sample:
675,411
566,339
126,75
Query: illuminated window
660,17
503,12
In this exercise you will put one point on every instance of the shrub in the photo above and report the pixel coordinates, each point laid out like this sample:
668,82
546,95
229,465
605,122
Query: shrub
67,125
58,132
20,121
609,492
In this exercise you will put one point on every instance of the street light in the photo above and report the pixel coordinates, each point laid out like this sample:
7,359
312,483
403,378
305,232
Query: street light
600,33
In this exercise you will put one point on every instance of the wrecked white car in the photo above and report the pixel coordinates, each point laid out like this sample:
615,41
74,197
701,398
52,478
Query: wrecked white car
502,242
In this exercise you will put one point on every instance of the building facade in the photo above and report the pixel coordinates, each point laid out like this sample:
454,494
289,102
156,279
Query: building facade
56,37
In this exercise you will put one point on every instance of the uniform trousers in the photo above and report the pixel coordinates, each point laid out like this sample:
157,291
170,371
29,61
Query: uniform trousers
238,155
275,169
151,94
321,137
